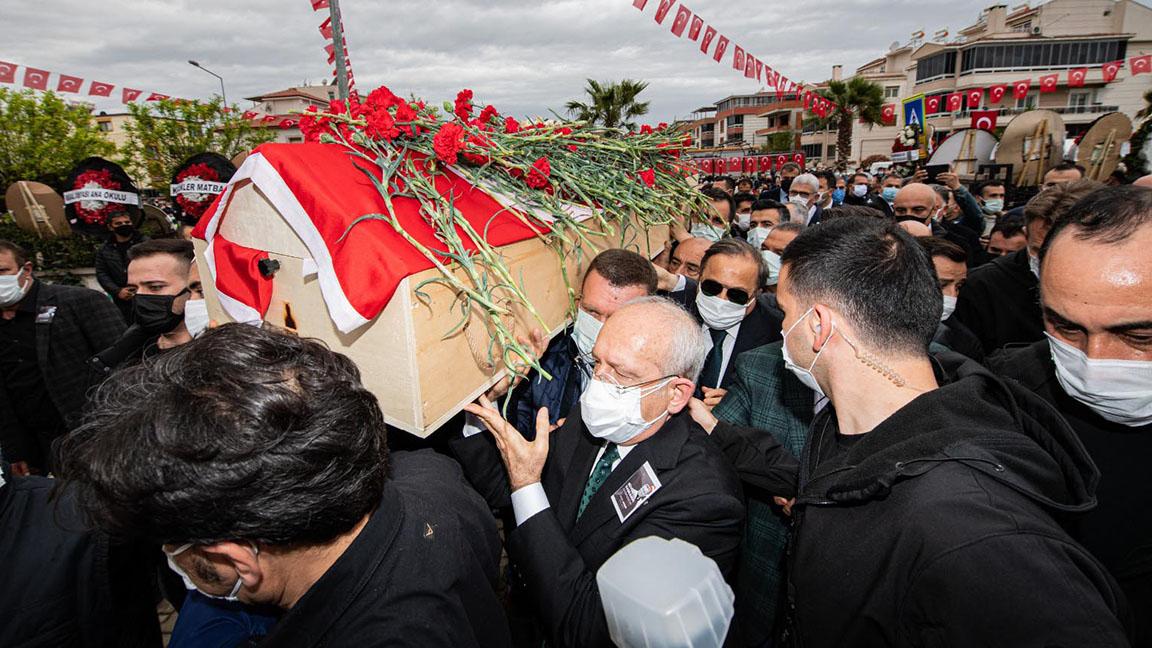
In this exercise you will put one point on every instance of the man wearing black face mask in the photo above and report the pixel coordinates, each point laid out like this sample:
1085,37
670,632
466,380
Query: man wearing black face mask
158,272
112,262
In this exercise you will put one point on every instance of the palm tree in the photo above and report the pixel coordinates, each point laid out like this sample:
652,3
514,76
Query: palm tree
856,98
612,105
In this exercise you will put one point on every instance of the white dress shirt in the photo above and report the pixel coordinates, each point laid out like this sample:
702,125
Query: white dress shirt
531,499
726,347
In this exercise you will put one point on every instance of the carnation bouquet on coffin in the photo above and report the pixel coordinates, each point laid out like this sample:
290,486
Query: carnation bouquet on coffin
463,228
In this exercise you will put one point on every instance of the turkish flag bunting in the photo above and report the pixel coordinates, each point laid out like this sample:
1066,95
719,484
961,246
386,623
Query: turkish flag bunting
331,49
749,165
954,102
820,109
640,4
287,123
932,105
681,21
759,67
1110,70
738,58
98,89
249,114
695,27
1140,64
781,160
721,47
984,119
779,89
1020,88
326,28
798,158
128,95
1076,77
734,164
662,10
706,165
7,72
763,164
69,84
317,5
1048,82
36,79
996,93
268,119
888,114
975,96
156,96
706,42
750,66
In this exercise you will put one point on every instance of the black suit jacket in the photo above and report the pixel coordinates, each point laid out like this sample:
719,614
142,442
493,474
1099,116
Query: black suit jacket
762,326
699,501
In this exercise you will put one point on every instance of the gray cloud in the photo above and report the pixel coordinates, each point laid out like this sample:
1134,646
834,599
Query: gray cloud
523,56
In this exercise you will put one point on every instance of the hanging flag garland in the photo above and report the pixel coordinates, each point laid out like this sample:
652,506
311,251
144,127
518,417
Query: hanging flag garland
37,79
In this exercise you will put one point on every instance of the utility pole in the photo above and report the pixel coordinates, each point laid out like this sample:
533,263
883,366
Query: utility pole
338,49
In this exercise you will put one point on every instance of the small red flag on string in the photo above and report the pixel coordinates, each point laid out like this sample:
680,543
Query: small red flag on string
932,104
737,58
98,89
69,84
706,42
984,119
1076,77
156,96
975,96
996,93
7,72
662,10
721,47
268,119
287,123
681,21
798,158
331,49
326,28
249,114
764,164
36,79
749,66
128,95
1020,88
955,101
640,4
1140,64
1111,70
888,114
697,25
317,5
1048,82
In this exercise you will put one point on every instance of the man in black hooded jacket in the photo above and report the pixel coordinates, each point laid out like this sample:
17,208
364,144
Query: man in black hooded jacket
929,491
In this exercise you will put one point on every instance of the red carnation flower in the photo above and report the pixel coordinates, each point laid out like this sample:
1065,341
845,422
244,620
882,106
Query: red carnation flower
645,130
404,116
648,177
537,177
463,108
486,115
511,125
476,150
382,99
311,126
448,143
382,126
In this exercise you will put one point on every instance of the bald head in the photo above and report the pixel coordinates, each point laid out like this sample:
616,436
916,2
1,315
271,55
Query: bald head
916,201
687,256
916,228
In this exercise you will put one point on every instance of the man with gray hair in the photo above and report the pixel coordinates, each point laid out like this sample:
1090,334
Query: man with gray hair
628,462
804,193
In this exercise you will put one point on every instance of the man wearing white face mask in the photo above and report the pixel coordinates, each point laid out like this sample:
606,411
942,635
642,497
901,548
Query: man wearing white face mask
628,463
950,261
1096,368
930,490
47,334
719,219
729,304
805,194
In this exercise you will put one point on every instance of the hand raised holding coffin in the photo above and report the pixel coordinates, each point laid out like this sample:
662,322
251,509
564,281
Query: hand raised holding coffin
523,459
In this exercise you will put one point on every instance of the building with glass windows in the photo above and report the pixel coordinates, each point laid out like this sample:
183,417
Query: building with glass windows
1003,46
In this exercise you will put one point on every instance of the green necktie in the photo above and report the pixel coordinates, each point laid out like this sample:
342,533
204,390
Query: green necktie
599,476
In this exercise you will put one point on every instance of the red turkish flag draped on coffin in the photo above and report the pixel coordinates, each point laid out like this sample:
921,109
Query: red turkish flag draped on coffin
1110,70
36,79
888,114
984,119
319,191
1076,77
7,72
1048,82
996,93
1020,88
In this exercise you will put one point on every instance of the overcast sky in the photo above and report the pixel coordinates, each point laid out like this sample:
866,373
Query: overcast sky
525,57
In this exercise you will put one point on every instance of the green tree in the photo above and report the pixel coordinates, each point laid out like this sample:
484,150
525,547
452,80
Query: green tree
162,134
612,105
857,99
42,137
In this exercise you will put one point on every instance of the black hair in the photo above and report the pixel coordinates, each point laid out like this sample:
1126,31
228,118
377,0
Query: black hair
743,197
829,178
790,166
938,247
241,434
851,211
727,180
1054,202
861,174
979,187
765,203
1110,216
1008,229
625,268
18,253
179,248
876,274
716,195
1068,165
729,246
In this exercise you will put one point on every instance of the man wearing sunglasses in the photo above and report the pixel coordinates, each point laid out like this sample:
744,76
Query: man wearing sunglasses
628,463
728,304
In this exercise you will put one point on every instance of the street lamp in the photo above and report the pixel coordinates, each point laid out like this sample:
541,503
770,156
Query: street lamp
222,95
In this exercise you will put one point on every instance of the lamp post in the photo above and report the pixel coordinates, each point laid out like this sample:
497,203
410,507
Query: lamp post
222,95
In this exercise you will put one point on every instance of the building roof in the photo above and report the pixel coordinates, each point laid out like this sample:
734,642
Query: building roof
304,92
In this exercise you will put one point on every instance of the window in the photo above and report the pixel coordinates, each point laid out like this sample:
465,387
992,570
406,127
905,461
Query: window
936,66
1033,56
735,121
891,92
1028,102
104,126
295,140
831,151
811,150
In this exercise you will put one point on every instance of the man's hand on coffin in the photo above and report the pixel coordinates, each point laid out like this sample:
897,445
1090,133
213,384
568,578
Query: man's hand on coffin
677,230
537,343
523,459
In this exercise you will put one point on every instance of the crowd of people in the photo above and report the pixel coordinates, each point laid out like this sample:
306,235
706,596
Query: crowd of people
894,411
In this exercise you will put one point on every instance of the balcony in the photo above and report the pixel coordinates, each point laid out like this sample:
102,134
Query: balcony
1060,110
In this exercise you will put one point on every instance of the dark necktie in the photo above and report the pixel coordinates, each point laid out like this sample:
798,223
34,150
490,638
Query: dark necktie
710,376
599,476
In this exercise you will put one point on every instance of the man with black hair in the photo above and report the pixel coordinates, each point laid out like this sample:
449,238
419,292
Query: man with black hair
743,202
718,221
1095,367
47,334
744,185
1000,303
685,259
723,183
1063,173
1007,238
951,264
928,494
112,261
990,194
860,194
158,275
258,461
